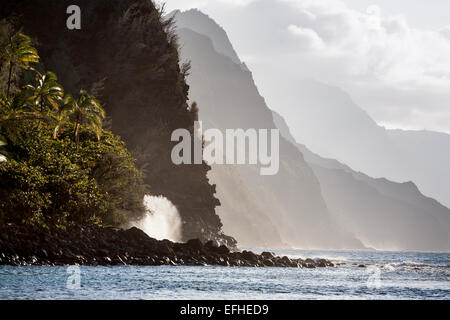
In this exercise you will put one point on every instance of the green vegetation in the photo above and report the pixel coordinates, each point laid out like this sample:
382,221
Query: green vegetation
16,51
57,165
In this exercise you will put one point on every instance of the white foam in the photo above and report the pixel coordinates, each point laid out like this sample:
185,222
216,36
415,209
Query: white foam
162,219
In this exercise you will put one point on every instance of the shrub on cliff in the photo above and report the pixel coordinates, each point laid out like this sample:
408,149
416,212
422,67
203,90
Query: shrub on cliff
54,182
62,168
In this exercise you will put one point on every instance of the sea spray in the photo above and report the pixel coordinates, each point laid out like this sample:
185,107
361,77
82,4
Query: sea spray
162,220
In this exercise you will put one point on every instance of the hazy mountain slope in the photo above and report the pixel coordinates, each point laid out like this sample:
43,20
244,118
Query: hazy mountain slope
124,47
228,98
242,212
198,22
381,213
332,125
426,158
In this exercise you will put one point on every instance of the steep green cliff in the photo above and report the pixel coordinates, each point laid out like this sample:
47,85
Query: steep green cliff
126,53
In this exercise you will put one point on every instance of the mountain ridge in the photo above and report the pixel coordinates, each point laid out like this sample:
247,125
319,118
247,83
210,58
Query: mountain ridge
340,185
217,34
348,134
375,190
231,100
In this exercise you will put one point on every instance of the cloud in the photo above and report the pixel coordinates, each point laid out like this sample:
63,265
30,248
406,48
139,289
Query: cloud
400,74
445,32
381,60
307,38
201,4
385,48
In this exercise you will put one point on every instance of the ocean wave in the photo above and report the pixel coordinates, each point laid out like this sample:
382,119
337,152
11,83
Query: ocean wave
413,265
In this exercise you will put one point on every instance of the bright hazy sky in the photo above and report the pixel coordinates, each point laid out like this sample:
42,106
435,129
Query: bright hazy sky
391,56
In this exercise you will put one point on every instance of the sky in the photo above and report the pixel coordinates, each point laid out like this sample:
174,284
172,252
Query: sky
392,57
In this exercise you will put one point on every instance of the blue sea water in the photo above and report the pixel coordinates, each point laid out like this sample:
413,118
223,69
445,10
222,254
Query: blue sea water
387,275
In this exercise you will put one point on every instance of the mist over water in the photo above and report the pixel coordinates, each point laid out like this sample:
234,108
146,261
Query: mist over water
162,219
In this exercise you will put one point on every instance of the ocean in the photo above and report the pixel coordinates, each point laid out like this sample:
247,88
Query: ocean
385,275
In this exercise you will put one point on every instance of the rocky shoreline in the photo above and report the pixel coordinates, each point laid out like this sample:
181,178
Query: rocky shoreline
26,245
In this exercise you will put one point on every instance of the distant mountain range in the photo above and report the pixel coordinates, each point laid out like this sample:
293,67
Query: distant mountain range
332,125
381,213
282,210
313,202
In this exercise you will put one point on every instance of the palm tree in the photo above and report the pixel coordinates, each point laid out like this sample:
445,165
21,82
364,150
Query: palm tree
17,52
62,116
86,112
46,93
16,108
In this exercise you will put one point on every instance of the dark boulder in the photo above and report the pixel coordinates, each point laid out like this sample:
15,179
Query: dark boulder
222,250
195,244
211,245
136,234
267,255
321,263
268,263
286,260
102,253
249,256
